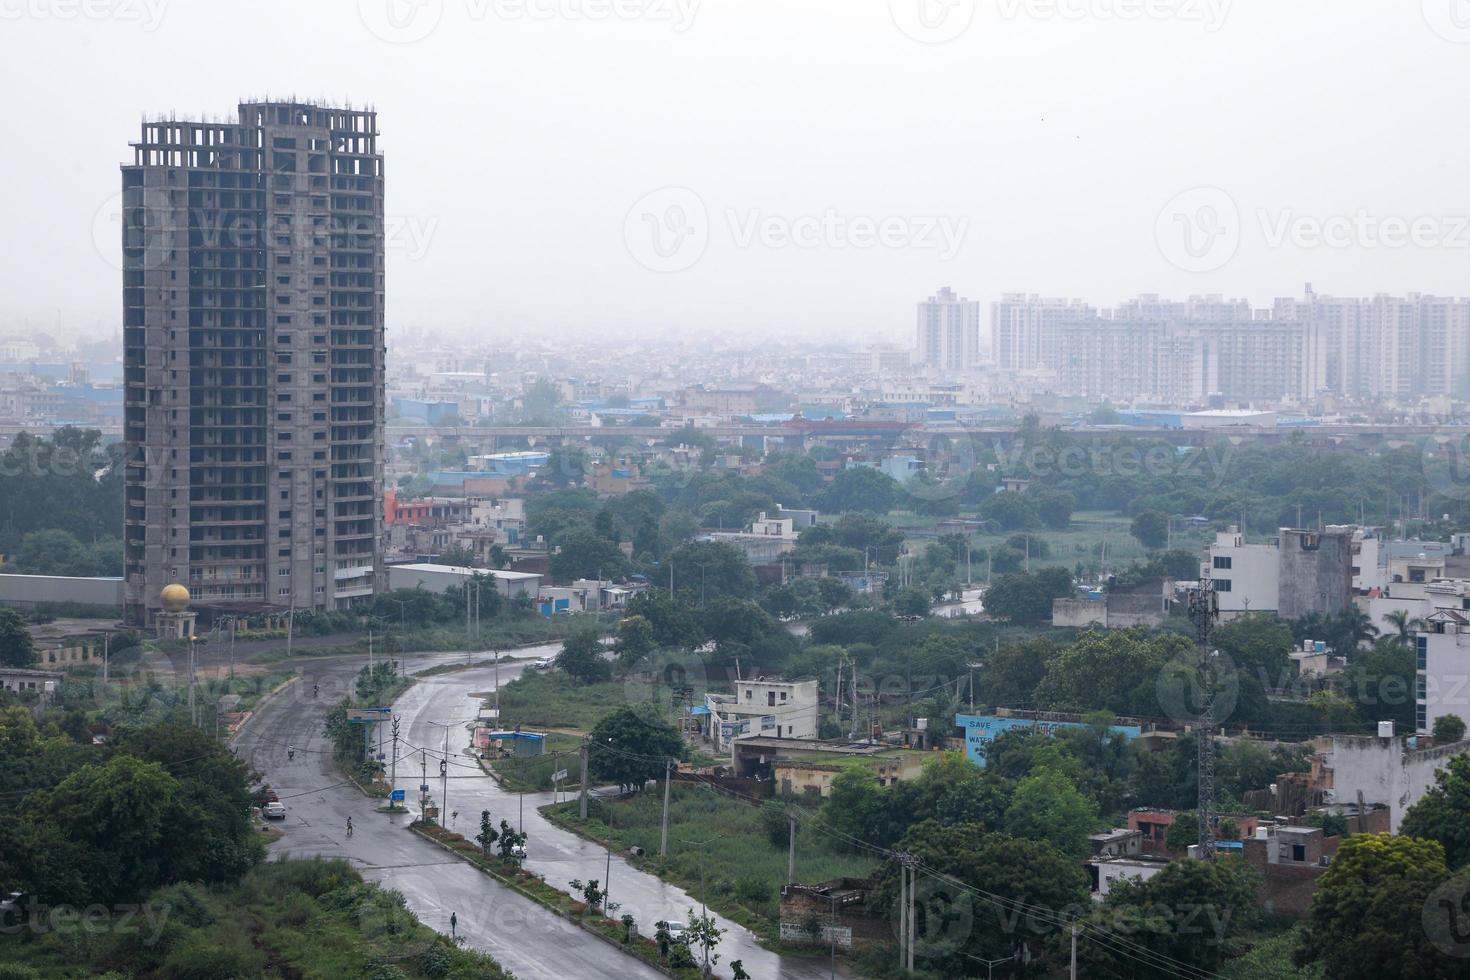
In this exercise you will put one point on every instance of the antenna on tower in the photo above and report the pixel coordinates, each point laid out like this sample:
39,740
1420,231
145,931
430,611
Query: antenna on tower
1204,610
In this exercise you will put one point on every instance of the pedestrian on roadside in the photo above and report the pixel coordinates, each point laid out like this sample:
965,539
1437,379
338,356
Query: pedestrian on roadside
453,925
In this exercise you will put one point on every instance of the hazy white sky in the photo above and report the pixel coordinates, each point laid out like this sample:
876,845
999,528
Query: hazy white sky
781,167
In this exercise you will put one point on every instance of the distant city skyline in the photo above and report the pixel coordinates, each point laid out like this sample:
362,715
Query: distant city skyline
1065,155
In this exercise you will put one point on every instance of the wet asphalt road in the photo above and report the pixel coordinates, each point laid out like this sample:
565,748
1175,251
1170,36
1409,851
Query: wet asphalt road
525,938
552,852
522,936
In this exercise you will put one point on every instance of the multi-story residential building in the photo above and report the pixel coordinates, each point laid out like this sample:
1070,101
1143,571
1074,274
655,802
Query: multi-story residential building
1020,322
1181,352
1316,573
253,342
949,332
1298,573
1247,577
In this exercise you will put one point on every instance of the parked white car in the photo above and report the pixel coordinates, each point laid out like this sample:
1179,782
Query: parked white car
274,810
543,663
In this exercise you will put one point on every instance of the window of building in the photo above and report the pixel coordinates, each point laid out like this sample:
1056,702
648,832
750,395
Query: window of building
1222,561
1222,585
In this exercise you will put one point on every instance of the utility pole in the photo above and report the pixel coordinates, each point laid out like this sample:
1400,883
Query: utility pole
903,909
1204,609
393,779
1074,949
663,835
583,754
444,779
791,848
607,874
423,782
193,712
703,910
913,921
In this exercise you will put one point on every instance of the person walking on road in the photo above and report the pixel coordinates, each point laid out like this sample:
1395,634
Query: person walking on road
349,826
453,925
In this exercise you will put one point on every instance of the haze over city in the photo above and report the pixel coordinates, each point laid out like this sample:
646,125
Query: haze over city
521,137
734,490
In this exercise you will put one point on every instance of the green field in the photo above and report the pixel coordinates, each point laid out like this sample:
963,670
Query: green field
551,699
531,775
743,869
1080,542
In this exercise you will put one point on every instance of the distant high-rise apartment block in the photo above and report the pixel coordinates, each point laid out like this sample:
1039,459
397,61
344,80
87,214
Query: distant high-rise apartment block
253,348
1183,352
949,332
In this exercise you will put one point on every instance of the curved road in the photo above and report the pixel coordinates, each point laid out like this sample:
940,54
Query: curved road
525,938
556,854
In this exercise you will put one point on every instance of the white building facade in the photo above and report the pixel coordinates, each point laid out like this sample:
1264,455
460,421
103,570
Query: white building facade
768,708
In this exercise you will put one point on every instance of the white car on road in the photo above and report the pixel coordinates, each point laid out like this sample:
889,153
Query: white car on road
274,810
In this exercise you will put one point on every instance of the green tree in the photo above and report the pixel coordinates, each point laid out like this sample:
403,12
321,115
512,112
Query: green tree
459,557
1151,528
1404,623
1367,917
1449,729
1010,511
1183,833
1443,814
629,749
96,837
1054,507
1113,670
965,926
487,835
834,592
709,569
17,649
584,553
674,619
1047,806
1025,598
581,658
1190,912
859,488
567,466
635,640
911,602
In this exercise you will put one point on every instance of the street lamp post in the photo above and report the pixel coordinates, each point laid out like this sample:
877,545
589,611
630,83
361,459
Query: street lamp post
703,908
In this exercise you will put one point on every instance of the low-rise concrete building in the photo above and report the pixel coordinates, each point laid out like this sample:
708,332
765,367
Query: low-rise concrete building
811,774
440,578
763,707
1110,871
23,680
1146,604
29,591
1392,770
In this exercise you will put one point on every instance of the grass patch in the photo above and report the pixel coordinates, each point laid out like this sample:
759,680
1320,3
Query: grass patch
743,872
532,775
456,668
312,918
567,906
551,699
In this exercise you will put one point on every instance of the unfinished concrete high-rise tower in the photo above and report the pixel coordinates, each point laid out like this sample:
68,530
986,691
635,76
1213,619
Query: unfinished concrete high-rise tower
253,337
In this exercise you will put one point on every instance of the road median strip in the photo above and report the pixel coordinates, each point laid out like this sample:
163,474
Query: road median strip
558,902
